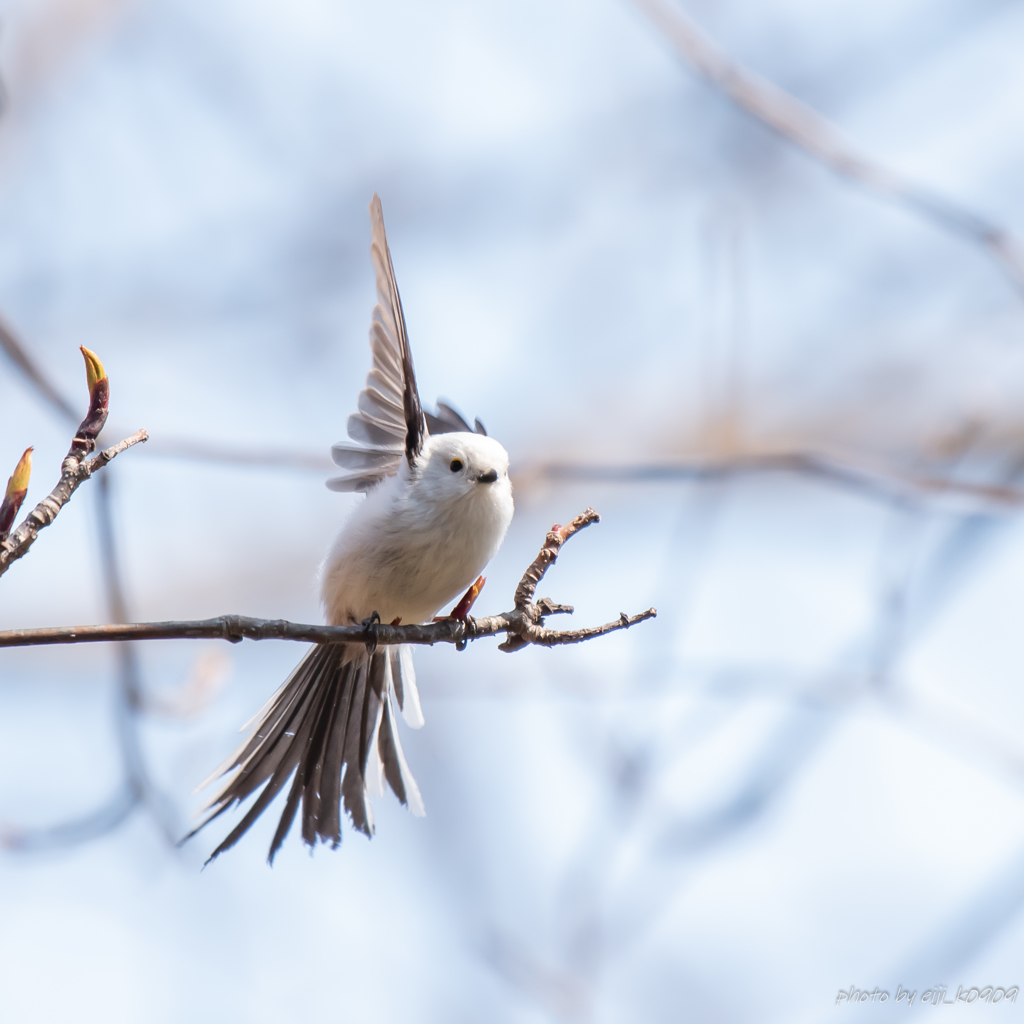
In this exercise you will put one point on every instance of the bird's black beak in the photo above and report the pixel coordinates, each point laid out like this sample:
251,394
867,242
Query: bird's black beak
489,477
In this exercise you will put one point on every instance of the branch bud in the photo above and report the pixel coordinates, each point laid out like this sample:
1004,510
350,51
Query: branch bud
94,371
99,397
17,488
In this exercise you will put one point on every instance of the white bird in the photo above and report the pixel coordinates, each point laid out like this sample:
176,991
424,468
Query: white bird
437,507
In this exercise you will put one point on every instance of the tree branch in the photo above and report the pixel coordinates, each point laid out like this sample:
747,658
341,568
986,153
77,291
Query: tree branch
74,471
524,625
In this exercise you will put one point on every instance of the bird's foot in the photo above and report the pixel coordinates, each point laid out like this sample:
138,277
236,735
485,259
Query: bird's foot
370,625
461,610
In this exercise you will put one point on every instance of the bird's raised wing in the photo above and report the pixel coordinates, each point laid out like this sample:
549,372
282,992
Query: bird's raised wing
449,421
390,420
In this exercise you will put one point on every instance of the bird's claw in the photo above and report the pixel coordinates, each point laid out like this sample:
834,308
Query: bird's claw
369,625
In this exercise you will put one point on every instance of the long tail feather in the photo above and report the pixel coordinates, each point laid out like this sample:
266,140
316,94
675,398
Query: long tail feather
319,730
405,686
353,788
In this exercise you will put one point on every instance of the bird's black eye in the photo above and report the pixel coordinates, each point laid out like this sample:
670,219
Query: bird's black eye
456,465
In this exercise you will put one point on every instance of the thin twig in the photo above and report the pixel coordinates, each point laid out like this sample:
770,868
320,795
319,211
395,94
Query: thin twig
552,545
523,625
18,355
819,138
75,470
881,484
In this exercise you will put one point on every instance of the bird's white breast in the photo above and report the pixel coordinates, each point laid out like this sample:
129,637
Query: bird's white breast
408,550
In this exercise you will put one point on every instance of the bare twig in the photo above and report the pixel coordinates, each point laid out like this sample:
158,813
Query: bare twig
819,138
552,545
523,625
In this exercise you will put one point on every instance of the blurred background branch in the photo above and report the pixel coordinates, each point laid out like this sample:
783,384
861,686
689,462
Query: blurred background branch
822,141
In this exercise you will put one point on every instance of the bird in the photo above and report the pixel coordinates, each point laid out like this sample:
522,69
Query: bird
438,503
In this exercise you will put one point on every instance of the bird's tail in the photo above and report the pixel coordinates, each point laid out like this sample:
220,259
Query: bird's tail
332,726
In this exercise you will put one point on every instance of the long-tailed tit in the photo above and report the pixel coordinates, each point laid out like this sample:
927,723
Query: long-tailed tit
438,502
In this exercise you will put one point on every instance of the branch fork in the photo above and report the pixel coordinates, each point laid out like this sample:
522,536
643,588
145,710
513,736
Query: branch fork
526,623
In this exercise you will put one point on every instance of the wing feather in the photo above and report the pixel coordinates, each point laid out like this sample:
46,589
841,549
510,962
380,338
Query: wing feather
359,482
390,418
392,320
362,428
449,420
388,387
362,459
375,403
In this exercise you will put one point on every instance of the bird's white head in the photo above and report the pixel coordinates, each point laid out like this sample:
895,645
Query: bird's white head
462,464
